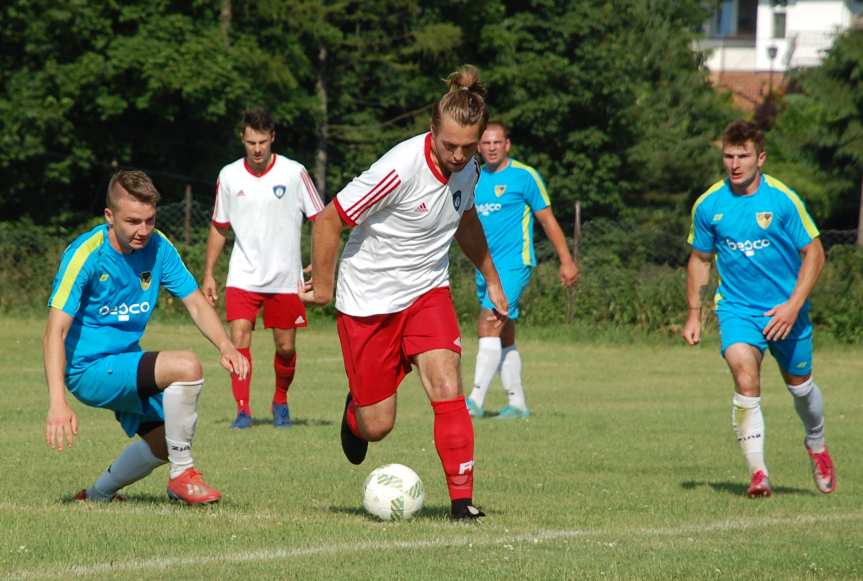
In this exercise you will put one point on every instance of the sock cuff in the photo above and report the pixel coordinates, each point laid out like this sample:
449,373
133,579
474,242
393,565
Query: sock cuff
489,342
247,351
802,389
196,383
508,349
286,361
449,405
745,401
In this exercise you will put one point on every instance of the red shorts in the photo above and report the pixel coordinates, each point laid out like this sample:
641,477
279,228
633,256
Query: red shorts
281,311
377,350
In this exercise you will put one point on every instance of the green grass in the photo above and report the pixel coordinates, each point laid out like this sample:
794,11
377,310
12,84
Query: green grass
627,468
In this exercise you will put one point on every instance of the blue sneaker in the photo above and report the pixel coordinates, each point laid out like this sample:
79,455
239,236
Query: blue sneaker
242,422
474,410
281,416
512,413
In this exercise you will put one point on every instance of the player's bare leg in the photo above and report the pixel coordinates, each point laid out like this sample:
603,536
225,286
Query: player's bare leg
241,337
440,374
744,361
284,365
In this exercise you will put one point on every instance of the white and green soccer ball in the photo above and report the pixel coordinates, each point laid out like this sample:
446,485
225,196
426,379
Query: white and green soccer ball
393,492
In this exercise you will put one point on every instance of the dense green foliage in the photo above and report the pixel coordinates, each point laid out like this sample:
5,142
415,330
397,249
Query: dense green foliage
612,116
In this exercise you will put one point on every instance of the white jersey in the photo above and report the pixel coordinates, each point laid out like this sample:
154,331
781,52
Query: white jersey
406,214
266,213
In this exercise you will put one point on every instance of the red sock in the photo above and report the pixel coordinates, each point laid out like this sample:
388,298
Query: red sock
241,387
352,419
284,368
453,438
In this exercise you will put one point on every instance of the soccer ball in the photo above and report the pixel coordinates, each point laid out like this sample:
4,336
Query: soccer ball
393,492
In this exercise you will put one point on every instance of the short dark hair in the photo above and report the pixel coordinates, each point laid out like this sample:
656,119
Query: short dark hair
499,124
258,119
136,183
739,132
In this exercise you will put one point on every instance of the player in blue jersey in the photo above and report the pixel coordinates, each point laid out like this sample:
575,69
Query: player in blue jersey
769,257
104,293
509,196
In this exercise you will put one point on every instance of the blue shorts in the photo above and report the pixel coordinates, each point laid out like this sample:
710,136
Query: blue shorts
112,383
514,281
794,353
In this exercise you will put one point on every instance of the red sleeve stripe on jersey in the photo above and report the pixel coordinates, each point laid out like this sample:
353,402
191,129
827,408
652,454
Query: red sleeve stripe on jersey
312,191
220,225
342,213
390,182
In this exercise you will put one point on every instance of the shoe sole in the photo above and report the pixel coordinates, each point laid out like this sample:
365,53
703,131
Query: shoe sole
176,498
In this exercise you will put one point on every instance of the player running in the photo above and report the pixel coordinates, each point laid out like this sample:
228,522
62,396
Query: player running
393,298
263,198
769,258
104,293
508,196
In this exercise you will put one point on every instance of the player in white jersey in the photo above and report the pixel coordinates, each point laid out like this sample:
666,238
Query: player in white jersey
394,305
262,197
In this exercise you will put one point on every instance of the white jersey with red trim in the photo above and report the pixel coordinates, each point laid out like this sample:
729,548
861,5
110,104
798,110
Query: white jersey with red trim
266,213
406,215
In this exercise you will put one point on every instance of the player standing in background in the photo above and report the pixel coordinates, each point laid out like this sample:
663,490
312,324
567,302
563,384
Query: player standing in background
508,196
393,299
263,198
769,258
104,293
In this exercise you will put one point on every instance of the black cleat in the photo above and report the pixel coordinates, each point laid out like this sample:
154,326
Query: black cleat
355,448
465,510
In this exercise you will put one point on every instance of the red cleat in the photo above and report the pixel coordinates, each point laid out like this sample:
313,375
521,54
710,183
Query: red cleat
81,496
760,486
189,487
822,470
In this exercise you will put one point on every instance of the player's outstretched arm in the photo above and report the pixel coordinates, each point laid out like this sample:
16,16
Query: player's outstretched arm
208,322
471,238
215,244
61,425
697,279
568,267
326,239
785,315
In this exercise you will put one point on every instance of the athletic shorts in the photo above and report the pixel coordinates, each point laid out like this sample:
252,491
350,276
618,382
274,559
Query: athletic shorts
112,383
377,350
794,353
281,310
513,280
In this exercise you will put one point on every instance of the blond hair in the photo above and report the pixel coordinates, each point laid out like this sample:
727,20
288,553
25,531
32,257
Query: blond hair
464,103
136,183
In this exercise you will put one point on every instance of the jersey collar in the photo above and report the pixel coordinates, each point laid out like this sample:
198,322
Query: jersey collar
263,173
430,160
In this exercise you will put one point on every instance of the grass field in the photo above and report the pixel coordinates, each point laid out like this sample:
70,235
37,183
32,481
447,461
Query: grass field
627,468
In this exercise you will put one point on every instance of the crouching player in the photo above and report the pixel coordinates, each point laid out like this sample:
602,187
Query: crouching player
104,293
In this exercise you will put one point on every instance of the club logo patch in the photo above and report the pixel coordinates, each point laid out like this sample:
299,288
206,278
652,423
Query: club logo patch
456,199
717,217
499,190
764,219
146,279
104,277
279,191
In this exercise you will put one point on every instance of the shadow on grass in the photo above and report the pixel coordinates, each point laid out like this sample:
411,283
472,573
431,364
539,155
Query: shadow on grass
297,423
137,500
738,489
427,512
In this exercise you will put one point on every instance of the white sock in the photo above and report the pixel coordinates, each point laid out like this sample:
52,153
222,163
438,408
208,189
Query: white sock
510,375
810,407
180,401
748,423
487,361
133,464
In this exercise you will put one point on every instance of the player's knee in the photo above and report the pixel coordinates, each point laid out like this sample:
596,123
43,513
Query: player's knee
188,367
285,351
377,429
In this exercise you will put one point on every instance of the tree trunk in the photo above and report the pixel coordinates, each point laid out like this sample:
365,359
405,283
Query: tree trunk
860,217
323,127
225,20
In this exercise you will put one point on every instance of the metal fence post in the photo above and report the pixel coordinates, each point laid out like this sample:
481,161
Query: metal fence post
187,216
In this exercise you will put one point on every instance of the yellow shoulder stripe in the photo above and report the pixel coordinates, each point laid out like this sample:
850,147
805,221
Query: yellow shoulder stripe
73,269
526,239
691,238
535,175
808,223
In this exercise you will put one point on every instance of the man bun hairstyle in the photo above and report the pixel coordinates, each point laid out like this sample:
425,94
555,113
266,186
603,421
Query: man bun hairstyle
259,120
136,183
740,131
464,103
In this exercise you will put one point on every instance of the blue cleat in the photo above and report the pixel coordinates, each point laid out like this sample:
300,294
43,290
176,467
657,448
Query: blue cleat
474,410
281,416
512,413
242,422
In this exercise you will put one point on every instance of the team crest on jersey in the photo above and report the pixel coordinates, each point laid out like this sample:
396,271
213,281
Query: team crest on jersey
104,277
146,279
764,219
279,191
456,199
500,190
